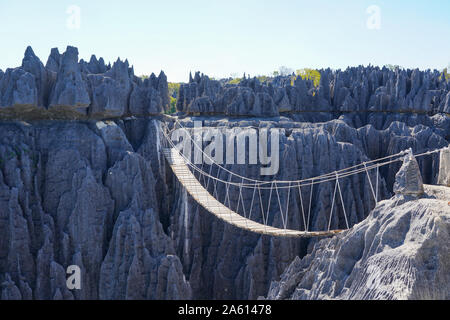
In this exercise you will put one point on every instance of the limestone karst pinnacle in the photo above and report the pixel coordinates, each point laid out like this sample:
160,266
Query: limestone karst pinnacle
70,87
444,169
67,87
408,180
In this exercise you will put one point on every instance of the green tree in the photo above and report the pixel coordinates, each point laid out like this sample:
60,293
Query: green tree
307,74
235,81
445,75
174,88
173,105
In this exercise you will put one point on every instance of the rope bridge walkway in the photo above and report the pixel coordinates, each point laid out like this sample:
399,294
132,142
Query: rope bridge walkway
185,172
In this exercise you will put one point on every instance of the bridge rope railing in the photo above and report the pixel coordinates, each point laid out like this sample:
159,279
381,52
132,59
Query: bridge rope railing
253,181
279,185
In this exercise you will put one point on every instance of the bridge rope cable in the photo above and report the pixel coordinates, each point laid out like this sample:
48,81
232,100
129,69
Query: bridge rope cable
325,176
278,181
295,183
262,185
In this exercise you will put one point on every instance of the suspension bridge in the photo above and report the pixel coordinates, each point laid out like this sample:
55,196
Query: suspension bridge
186,171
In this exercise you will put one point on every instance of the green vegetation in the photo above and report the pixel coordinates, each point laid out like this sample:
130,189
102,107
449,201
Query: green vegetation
307,74
143,77
173,106
235,81
174,89
445,75
263,79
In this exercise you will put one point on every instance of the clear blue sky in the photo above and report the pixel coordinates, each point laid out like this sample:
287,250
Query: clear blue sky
224,37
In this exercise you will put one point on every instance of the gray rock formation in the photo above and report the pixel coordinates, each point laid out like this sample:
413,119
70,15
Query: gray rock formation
34,66
74,89
444,167
70,89
401,251
18,89
111,91
146,98
53,61
75,193
360,89
408,180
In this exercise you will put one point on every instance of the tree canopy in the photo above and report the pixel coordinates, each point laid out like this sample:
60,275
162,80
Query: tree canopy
307,74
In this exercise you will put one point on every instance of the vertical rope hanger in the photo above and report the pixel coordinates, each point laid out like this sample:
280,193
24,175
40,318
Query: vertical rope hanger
301,204
215,183
268,203
342,200
261,206
332,205
251,205
370,182
243,204
376,188
287,206
239,199
209,176
281,209
227,195
310,203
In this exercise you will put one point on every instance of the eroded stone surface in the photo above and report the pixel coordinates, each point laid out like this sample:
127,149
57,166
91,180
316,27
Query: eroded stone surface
408,180
398,252
444,167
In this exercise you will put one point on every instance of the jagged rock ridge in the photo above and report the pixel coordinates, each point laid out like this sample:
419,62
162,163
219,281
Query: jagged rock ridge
68,88
356,89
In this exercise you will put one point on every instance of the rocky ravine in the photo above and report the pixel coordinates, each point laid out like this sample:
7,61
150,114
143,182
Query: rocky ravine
97,193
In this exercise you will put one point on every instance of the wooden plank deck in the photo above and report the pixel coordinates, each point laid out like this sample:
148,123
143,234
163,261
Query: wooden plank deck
207,201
